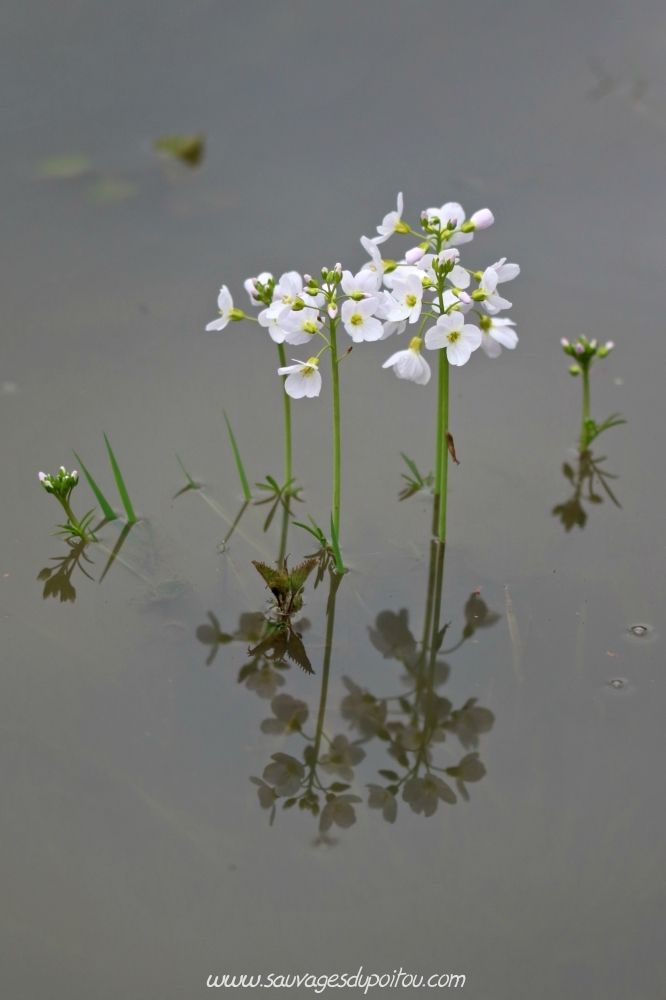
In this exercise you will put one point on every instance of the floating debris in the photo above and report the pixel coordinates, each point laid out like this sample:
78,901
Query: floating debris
189,149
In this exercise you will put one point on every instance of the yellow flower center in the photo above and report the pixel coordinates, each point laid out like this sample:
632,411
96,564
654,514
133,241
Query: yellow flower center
309,326
356,319
415,344
411,300
453,336
309,367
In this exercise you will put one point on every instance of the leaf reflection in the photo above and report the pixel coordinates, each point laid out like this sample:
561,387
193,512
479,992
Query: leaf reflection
58,579
589,482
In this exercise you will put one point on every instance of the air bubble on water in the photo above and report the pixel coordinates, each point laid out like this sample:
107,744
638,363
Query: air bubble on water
222,547
617,683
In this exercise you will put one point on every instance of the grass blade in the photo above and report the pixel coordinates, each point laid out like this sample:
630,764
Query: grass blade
239,464
336,549
107,509
122,489
195,486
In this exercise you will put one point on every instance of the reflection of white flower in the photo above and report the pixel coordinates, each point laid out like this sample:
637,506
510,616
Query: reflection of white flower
285,774
338,810
289,715
225,304
491,300
300,326
304,378
409,364
407,297
423,794
364,283
495,332
359,319
341,757
249,285
391,223
451,333
381,798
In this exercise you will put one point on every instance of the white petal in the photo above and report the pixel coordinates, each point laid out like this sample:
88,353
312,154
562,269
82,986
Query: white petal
458,353
472,336
290,368
507,272
312,384
459,277
503,335
224,300
393,359
490,346
296,385
436,338
372,329
218,324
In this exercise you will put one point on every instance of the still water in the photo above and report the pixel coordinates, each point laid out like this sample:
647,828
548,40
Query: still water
140,856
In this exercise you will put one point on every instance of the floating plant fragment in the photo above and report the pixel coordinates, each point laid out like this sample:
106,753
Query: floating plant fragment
189,149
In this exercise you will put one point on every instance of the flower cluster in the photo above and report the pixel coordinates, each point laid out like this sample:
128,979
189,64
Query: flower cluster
62,484
585,352
385,297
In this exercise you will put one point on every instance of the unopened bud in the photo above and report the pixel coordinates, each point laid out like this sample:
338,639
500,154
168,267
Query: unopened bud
482,219
298,304
579,349
593,343
338,268
609,345
464,297
414,255
307,278
332,311
574,370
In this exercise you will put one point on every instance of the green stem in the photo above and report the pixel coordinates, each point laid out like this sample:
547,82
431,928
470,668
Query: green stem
70,515
443,443
336,428
586,405
285,528
287,420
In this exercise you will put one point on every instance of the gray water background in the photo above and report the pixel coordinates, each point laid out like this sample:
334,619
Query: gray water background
136,858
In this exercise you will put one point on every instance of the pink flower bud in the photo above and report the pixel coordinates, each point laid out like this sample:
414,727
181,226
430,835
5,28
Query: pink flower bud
579,349
338,268
42,477
464,297
414,255
564,342
483,218
332,311
609,345
307,278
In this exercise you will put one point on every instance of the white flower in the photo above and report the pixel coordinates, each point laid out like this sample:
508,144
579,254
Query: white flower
506,272
285,292
359,319
225,304
407,297
249,285
402,272
274,322
453,212
381,312
359,285
460,299
391,223
458,339
496,332
376,264
483,218
299,327
490,298
458,276
303,378
409,364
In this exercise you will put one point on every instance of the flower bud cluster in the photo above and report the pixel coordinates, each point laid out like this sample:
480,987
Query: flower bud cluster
62,484
585,352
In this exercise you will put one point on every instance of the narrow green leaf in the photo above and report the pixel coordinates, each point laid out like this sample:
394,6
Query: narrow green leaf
122,489
107,509
195,486
336,548
239,464
317,533
412,466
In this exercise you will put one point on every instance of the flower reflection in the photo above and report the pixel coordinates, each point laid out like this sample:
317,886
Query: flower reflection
58,579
